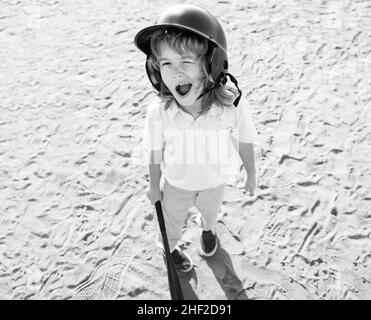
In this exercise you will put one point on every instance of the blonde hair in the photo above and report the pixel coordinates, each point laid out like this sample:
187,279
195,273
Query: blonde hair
181,42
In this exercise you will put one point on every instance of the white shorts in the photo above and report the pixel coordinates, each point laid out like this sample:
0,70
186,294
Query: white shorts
176,203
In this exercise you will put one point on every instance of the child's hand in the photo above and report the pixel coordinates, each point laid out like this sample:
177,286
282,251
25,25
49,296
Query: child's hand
250,184
154,195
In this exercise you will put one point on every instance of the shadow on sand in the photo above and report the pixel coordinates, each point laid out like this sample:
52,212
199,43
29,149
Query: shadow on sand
222,267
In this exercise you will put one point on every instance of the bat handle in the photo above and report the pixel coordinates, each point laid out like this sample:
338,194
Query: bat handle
174,284
161,222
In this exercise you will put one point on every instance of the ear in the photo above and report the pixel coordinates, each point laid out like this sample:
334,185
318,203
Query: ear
218,64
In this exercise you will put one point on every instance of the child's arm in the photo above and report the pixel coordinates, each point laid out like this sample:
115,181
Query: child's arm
244,130
246,152
153,142
154,192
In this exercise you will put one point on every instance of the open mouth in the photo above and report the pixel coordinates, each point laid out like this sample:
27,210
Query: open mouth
183,88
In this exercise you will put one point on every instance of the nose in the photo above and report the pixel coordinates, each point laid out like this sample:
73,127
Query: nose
178,73
178,76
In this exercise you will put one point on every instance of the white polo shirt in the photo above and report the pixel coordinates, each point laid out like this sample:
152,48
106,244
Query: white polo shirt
198,154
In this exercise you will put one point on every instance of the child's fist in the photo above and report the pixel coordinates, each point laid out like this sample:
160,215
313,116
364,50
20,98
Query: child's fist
250,184
154,195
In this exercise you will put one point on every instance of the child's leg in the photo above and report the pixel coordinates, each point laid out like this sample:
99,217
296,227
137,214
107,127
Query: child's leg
175,205
208,202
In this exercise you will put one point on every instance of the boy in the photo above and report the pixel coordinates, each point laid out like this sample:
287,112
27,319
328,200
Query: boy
189,129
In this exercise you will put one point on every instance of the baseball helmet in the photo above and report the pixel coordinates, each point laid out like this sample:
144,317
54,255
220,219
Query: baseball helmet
196,20
199,21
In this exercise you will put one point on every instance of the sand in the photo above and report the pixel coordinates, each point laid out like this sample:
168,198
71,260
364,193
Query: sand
74,219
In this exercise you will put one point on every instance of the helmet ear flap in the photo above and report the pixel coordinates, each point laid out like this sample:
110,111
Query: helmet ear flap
218,65
153,75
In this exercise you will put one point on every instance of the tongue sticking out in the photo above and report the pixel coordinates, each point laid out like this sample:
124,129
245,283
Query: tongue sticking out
183,89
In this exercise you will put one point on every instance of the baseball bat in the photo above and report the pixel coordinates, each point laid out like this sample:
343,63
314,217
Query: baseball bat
174,284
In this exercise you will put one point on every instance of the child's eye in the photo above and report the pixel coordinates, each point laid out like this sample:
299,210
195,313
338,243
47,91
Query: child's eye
165,64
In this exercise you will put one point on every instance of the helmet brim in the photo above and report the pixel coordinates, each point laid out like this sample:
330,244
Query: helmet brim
143,38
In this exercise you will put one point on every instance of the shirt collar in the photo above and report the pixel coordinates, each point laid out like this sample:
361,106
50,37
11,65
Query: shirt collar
173,109
214,111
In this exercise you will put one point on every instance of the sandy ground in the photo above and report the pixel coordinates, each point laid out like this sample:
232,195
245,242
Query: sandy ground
74,219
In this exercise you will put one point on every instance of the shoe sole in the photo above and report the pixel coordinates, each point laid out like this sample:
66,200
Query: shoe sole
190,261
210,254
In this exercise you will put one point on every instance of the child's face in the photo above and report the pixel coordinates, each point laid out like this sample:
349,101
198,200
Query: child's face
182,75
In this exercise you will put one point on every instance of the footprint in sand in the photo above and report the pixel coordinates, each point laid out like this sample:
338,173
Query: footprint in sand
229,240
108,185
264,276
106,280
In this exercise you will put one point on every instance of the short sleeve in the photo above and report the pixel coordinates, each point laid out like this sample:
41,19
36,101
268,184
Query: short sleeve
244,128
153,129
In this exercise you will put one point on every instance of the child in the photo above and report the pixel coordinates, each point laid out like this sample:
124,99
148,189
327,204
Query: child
189,128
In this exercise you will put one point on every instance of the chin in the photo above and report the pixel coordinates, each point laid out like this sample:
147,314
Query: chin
186,101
